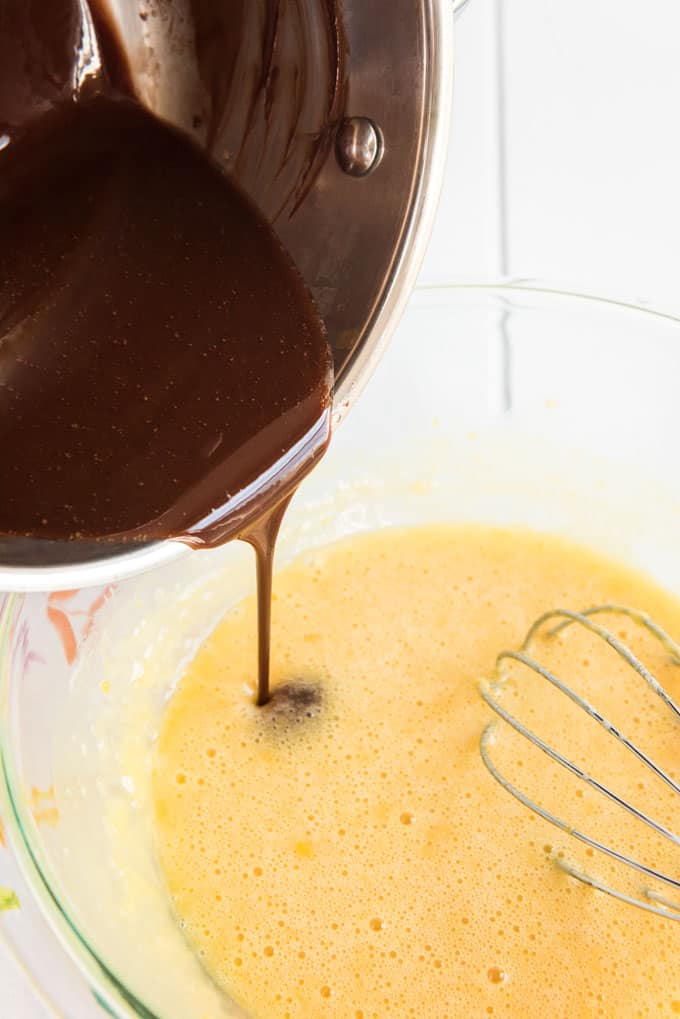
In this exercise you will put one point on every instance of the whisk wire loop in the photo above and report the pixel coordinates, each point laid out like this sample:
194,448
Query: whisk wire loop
583,619
669,913
614,854
653,901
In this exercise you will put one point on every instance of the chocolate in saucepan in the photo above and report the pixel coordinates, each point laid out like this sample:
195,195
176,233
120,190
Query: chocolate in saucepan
163,370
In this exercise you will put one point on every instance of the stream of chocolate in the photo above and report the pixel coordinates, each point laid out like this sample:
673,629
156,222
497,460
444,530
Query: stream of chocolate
163,370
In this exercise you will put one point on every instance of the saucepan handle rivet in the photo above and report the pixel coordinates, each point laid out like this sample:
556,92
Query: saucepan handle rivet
358,146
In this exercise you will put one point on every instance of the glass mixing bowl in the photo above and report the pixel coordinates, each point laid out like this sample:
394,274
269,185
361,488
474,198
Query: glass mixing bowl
507,404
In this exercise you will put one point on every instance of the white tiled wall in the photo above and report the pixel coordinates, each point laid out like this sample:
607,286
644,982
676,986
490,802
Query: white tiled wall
564,166
593,154
466,238
565,152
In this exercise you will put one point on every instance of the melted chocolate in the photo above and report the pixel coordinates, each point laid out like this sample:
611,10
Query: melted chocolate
41,47
255,60
163,370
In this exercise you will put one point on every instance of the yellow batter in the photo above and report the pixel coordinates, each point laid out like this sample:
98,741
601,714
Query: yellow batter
362,863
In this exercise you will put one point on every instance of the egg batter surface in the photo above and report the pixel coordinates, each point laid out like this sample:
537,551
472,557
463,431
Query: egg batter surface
345,853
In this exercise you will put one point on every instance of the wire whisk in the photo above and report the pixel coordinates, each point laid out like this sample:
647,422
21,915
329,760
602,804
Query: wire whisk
550,624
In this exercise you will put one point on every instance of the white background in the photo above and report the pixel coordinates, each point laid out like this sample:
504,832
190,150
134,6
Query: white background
564,166
565,150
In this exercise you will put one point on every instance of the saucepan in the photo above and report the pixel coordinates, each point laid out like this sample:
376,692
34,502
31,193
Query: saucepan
334,120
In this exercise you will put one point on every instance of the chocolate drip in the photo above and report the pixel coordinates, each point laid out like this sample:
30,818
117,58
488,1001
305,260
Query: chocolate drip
163,370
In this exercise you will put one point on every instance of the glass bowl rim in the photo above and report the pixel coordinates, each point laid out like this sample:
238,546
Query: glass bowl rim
108,990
